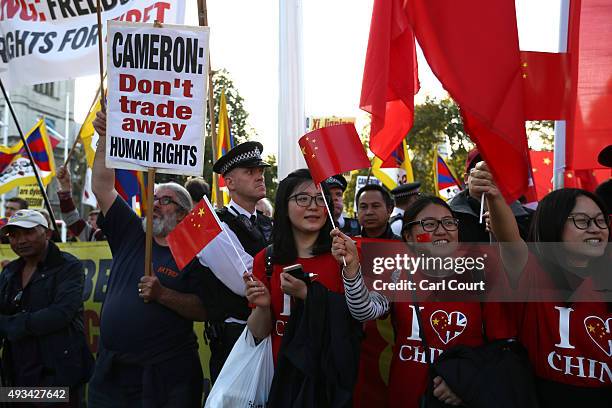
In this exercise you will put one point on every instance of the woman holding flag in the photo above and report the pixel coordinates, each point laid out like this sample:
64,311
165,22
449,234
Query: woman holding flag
299,310
426,329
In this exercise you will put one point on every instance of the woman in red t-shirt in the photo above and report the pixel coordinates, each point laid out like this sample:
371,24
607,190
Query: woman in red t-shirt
300,236
569,339
442,324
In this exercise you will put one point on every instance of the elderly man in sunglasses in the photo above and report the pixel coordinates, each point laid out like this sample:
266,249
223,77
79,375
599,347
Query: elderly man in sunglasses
41,311
148,352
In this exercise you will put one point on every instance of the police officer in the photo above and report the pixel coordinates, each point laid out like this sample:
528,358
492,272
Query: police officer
337,184
403,195
250,231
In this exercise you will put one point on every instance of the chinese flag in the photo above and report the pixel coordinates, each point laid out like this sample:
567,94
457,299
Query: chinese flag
389,77
192,234
333,150
589,125
472,47
542,170
546,85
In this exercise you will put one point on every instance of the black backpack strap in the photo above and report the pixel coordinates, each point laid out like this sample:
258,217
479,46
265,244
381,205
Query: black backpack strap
269,252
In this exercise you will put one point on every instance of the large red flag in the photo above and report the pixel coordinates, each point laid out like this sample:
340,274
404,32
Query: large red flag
333,150
192,234
589,125
546,85
472,47
389,77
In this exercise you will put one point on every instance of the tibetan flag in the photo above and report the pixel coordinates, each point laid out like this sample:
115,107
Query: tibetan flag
86,134
193,233
333,150
225,141
15,166
445,181
132,187
396,170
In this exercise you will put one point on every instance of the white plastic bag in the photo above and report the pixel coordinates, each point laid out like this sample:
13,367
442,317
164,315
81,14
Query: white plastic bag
246,376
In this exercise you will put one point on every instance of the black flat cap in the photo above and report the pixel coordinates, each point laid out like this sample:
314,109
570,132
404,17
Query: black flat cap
336,181
605,156
406,190
247,154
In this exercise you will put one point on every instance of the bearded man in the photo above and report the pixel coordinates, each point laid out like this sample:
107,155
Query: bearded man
148,352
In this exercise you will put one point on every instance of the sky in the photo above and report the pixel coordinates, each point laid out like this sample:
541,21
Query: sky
244,40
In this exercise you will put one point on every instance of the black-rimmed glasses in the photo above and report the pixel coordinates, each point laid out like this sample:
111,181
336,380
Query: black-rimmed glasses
431,224
583,221
165,200
305,200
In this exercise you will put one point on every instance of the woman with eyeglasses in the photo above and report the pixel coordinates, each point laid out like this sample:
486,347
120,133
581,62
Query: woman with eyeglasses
284,306
427,326
569,339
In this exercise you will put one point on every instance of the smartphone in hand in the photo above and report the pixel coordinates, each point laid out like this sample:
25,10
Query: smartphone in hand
297,272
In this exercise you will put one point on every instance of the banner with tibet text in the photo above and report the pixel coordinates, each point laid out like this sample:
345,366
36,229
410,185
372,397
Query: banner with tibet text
51,40
157,91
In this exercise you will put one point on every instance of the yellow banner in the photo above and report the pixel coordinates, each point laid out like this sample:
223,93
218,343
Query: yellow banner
31,193
314,123
96,258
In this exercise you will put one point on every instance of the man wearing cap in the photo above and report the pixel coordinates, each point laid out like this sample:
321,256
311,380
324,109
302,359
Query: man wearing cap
250,231
466,207
41,311
349,226
403,195
148,351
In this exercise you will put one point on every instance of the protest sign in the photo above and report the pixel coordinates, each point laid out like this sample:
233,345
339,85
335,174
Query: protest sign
46,41
157,89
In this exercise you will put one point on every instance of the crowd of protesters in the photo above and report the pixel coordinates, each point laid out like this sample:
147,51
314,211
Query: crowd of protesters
555,352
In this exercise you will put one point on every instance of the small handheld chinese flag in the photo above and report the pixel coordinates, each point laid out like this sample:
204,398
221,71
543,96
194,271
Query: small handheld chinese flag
333,150
192,234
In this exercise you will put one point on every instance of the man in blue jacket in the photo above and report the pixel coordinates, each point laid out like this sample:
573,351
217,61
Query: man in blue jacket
41,311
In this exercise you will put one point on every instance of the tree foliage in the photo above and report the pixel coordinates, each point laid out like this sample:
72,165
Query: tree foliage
437,122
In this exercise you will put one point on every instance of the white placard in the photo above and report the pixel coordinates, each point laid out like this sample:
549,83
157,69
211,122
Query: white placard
157,92
55,40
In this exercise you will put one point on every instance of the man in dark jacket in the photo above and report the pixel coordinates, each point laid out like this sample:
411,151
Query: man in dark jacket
41,311
374,207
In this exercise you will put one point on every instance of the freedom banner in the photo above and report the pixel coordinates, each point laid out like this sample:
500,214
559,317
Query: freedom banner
157,89
55,40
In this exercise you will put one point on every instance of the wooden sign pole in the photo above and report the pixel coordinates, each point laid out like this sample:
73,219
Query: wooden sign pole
149,233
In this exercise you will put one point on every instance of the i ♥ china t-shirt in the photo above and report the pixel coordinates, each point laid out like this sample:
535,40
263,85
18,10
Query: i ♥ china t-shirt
444,325
568,342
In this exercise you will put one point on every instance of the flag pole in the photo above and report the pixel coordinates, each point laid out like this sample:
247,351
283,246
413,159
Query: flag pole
100,53
203,21
29,152
149,216
331,217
